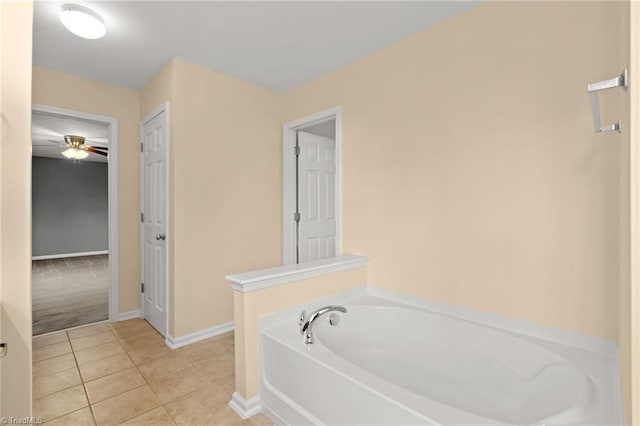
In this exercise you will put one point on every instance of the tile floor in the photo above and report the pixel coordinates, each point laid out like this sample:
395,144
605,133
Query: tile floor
123,373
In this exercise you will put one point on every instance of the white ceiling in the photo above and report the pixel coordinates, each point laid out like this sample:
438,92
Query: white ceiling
276,45
47,127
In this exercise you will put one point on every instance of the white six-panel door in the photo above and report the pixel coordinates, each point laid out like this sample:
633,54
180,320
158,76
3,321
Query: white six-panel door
154,208
316,197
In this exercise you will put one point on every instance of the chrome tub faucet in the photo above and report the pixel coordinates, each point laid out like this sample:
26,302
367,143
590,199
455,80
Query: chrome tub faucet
306,323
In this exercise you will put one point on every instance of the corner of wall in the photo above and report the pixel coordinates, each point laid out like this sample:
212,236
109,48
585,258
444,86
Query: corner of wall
16,32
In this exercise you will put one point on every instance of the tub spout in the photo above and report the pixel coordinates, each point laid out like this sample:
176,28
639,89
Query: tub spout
313,316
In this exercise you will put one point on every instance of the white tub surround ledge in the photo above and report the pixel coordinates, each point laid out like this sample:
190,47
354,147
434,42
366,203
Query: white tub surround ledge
271,277
260,293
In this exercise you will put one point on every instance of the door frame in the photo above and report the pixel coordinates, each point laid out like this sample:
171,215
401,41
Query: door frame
112,167
289,179
163,107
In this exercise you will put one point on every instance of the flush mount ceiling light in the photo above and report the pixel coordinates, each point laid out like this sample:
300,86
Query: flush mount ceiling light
82,22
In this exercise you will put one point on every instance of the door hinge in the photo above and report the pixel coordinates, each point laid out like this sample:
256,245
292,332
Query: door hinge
141,147
296,216
297,150
141,287
141,217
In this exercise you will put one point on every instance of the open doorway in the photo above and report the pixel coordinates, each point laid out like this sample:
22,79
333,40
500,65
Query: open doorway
312,198
74,228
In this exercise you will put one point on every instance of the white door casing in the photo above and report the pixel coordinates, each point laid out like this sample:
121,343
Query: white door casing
289,187
154,219
112,123
316,197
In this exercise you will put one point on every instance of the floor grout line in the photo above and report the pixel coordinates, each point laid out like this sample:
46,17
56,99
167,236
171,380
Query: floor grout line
84,388
145,382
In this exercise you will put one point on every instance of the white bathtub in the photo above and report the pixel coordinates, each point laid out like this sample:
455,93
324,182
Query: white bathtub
392,364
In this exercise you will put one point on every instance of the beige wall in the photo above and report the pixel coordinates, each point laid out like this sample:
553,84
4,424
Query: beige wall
251,306
67,91
15,209
225,163
472,174
224,149
629,339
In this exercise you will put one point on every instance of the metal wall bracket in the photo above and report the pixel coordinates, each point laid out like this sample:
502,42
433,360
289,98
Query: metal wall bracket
593,89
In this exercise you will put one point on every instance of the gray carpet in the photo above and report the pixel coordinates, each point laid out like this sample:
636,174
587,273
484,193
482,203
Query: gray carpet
69,292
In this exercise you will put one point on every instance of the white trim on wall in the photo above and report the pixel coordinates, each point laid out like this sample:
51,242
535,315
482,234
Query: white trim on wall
289,179
112,124
245,408
128,315
65,255
163,107
272,277
187,339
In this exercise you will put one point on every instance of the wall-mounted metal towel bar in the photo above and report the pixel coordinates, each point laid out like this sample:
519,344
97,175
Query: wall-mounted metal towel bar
593,89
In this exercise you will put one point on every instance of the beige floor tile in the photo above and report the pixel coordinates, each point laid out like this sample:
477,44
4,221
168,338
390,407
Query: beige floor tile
226,340
137,329
98,352
113,384
53,365
125,406
203,350
45,385
262,420
142,330
227,384
49,339
197,408
88,330
144,341
178,384
128,323
226,416
214,368
103,367
60,403
149,353
82,417
156,417
164,366
51,351
93,340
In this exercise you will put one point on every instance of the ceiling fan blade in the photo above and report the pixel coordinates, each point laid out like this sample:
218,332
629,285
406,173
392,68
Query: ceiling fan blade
58,142
97,147
95,151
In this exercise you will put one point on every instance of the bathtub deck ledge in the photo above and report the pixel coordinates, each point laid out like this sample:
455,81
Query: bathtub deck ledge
271,277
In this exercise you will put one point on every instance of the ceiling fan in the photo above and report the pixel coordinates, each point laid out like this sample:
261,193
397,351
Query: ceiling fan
77,150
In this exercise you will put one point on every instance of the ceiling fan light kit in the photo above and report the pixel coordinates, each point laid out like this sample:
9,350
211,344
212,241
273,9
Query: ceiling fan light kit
76,154
77,150
82,21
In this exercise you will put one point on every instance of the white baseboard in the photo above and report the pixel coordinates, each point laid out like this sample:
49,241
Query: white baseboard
128,315
244,408
187,339
62,256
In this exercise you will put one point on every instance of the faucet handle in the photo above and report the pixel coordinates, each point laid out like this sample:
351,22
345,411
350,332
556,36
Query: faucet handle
303,318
